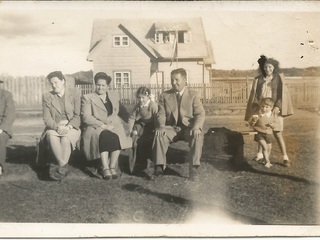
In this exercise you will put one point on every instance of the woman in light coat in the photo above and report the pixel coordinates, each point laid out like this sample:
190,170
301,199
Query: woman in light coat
271,84
61,115
104,134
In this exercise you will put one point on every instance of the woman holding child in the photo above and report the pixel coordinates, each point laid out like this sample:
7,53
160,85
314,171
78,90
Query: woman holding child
104,134
270,83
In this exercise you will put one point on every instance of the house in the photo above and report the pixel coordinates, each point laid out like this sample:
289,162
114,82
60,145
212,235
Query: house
145,51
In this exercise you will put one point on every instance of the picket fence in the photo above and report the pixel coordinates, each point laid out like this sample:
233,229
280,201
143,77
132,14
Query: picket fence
221,92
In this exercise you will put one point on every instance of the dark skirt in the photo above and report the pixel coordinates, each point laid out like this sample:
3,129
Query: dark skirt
108,141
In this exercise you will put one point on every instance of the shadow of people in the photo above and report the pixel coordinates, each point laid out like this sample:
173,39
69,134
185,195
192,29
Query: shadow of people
231,163
20,154
192,205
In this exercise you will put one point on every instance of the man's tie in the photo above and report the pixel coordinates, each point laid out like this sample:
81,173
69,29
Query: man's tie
179,121
179,99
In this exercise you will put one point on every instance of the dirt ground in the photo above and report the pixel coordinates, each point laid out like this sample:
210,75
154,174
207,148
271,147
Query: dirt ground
247,193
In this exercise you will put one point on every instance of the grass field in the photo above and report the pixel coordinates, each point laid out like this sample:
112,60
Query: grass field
250,195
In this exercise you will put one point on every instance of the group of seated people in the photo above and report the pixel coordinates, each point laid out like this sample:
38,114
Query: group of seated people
94,118
152,127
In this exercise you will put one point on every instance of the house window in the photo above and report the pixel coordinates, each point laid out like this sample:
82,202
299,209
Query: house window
120,41
122,79
168,37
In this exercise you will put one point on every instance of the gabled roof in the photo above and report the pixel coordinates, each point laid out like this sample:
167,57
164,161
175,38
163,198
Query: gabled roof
142,32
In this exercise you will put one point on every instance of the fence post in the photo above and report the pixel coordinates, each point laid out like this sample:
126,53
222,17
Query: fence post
247,87
204,93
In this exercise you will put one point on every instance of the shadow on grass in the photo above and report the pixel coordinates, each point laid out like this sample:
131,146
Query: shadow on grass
20,154
191,204
232,164
174,156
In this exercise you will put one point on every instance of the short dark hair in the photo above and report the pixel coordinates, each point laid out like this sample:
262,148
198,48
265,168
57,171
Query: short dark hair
143,90
57,74
180,71
266,101
102,75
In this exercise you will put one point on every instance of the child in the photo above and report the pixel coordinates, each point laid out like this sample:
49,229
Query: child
141,126
264,122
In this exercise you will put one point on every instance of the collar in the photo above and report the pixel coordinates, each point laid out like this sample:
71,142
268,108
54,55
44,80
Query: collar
181,92
146,105
61,93
102,97
268,114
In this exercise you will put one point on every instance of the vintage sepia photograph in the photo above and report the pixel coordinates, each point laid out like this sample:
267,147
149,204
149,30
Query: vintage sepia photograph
159,119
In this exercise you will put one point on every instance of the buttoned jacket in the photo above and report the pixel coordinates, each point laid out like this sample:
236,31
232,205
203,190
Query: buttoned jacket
191,110
52,111
94,114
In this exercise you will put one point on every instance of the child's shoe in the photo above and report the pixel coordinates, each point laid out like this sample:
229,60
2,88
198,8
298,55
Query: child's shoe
286,161
258,157
268,165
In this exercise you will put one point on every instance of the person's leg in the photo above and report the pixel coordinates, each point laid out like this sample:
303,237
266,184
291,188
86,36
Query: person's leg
259,155
56,148
269,145
195,145
4,138
264,145
279,137
160,147
66,150
106,174
114,158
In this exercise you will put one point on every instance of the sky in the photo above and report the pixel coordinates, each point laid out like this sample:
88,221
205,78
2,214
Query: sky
39,37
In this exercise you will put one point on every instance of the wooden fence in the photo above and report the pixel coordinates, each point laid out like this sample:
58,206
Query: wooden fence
229,93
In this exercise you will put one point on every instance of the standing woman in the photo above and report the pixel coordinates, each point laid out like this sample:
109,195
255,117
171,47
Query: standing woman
61,115
271,84
104,135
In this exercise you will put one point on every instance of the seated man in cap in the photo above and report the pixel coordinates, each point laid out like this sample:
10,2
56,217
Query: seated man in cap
7,116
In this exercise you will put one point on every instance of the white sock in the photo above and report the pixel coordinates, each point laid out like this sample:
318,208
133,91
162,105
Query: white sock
285,157
259,155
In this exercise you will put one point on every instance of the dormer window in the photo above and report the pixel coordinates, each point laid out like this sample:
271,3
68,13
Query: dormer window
166,33
121,41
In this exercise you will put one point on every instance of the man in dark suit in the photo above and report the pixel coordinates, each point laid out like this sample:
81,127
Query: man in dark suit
180,117
7,116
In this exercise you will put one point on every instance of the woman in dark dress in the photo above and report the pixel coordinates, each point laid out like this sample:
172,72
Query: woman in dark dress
104,134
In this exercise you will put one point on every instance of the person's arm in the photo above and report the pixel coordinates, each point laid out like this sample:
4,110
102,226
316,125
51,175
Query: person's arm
75,121
278,103
9,114
47,118
161,117
199,113
86,113
132,118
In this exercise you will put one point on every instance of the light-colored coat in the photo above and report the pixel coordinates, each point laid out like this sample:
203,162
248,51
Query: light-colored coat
52,111
284,104
191,110
7,111
52,116
94,114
